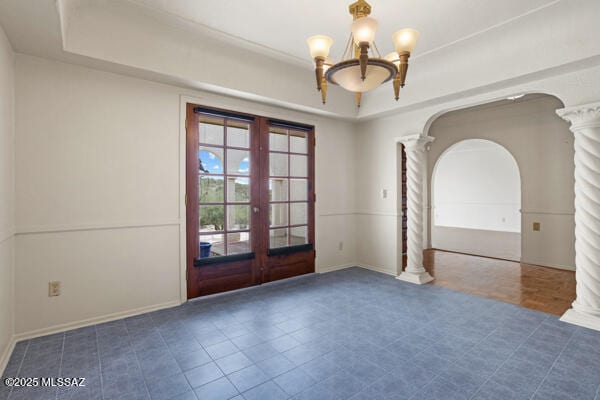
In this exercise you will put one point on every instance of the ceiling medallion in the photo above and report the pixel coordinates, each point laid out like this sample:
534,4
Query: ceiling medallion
358,71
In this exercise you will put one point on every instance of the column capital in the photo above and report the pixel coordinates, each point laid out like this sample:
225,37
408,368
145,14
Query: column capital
415,142
582,116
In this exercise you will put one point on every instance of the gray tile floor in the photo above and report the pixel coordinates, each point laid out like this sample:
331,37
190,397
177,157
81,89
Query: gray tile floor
352,334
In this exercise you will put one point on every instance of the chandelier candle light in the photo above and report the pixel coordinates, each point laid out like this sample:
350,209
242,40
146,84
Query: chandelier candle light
357,72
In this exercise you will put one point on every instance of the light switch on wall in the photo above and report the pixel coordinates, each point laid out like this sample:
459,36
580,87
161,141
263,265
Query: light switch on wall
384,193
536,226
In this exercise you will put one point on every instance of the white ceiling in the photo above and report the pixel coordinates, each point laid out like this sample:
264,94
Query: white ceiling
285,28
466,46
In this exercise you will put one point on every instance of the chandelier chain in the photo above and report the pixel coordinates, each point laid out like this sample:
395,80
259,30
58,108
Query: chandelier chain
348,50
376,49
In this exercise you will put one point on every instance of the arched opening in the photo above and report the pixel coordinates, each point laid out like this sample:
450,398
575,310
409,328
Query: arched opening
476,200
542,145
526,130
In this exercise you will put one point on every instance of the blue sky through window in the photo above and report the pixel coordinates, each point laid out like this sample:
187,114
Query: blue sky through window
212,163
244,166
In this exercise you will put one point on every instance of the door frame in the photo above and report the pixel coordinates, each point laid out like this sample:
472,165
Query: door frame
236,105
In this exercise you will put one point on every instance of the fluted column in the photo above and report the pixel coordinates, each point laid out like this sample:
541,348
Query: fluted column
585,125
416,167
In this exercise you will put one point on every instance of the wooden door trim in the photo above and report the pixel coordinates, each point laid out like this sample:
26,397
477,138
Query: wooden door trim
191,186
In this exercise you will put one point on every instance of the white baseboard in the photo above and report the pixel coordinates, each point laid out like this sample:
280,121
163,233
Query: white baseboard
325,270
93,321
576,318
377,269
10,346
350,265
545,264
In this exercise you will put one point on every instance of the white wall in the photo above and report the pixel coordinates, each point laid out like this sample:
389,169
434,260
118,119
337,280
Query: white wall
542,146
496,244
476,196
7,193
476,185
378,219
99,191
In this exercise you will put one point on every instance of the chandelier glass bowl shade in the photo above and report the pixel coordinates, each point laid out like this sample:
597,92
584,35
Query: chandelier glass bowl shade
347,74
362,68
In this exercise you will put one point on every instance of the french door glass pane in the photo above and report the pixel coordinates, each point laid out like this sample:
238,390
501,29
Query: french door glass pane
278,139
224,186
211,160
283,190
238,217
278,214
238,243
278,164
238,190
298,166
278,238
298,142
211,189
211,130
212,218
298,213
212,245
238,162
278,189
298,235
238,134
224,178
298,189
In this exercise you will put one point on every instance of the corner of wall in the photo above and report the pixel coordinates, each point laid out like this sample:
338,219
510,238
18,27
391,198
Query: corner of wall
7,200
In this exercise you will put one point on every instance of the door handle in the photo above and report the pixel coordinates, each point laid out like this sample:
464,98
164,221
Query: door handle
256,210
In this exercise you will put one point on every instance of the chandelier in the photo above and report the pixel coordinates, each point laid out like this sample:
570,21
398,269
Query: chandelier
360,71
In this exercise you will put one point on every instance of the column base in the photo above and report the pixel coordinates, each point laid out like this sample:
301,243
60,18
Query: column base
578,318
419,278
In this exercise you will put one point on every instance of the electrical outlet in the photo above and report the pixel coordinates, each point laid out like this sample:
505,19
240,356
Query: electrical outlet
53,288
341,246
536,226
384,193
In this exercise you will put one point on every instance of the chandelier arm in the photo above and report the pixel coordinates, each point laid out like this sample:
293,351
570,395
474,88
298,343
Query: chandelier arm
319,71
403,67
358,97
363,59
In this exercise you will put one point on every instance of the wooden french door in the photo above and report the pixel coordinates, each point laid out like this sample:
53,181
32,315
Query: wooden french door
249,200
287,192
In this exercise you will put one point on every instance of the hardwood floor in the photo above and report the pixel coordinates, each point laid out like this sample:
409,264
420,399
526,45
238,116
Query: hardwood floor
540,288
